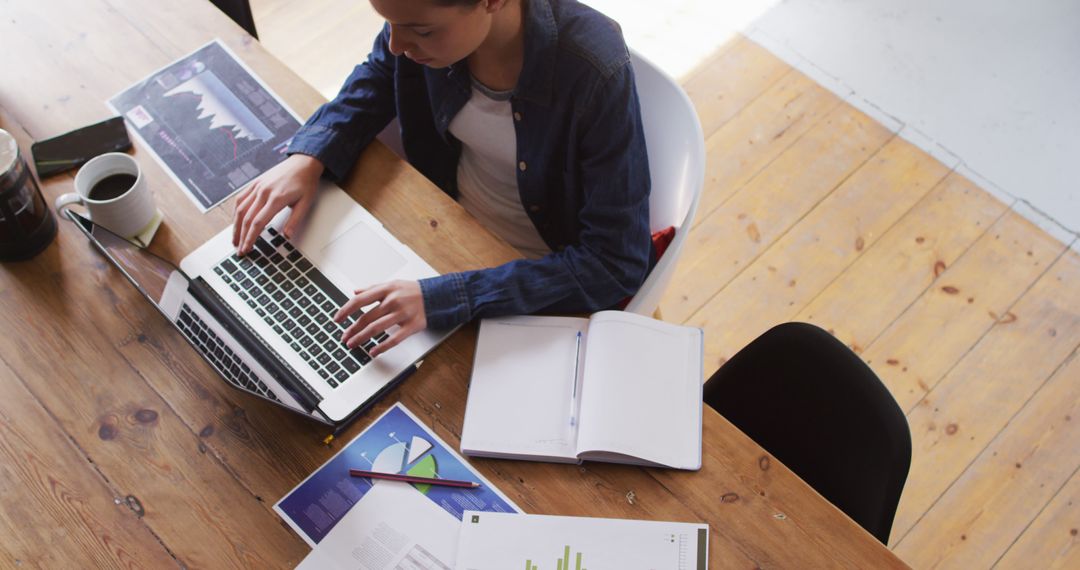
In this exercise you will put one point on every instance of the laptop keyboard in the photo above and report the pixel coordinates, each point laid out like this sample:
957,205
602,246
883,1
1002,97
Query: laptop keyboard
220,355
298,302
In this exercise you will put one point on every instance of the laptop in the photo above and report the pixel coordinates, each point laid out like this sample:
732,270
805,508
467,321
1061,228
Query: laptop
264,320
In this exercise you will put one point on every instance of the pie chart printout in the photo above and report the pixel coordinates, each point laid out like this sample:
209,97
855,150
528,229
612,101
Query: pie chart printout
394,443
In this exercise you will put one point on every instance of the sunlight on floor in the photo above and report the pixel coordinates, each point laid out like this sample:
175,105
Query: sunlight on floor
677,35
681,34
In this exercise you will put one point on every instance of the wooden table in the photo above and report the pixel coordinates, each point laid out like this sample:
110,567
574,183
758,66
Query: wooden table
119,446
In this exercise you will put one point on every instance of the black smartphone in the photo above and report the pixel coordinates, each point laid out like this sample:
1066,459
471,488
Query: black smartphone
73,149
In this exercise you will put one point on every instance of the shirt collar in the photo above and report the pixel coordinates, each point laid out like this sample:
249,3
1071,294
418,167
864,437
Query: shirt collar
538,68
541,42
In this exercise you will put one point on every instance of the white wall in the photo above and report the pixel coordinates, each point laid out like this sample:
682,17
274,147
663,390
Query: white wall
991,86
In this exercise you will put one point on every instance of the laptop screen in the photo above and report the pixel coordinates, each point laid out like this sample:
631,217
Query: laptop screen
146,271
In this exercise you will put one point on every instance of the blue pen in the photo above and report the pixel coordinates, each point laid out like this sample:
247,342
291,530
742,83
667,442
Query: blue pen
573,393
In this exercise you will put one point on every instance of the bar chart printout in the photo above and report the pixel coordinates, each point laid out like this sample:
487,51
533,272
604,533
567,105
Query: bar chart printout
562,563
496,541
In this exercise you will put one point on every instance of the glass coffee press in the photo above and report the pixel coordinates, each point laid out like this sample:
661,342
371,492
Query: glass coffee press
26,224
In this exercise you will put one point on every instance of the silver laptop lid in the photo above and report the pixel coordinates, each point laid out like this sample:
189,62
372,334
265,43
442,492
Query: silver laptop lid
150,275
146,271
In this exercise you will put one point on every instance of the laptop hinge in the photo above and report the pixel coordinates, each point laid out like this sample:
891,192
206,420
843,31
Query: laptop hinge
266,356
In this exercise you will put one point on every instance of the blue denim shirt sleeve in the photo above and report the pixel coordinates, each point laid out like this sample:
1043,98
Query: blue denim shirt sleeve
340,129
611,257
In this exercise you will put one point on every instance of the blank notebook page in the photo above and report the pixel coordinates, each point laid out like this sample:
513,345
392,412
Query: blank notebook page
519,399
642,390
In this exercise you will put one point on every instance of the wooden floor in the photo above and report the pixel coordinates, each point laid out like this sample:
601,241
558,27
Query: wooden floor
968,312
321,40
812,211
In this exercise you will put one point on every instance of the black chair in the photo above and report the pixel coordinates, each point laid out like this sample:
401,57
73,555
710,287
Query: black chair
240,12
818,408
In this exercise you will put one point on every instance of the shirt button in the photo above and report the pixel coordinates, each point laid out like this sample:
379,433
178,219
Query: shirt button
534,208
517,115
522,166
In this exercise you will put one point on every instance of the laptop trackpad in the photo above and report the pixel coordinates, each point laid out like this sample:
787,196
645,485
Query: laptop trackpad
362,256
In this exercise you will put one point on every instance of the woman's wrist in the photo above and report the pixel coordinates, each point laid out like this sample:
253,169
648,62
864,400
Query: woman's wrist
308,164
446,302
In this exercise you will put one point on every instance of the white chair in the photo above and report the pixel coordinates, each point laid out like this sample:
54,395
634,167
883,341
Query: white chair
676,149
391,137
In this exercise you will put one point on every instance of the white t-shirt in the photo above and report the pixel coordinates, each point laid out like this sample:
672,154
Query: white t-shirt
487,170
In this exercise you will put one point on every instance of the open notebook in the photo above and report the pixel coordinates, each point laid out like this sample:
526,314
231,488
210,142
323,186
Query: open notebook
616,387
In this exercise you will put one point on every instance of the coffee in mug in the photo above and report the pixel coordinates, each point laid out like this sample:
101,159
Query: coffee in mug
112,186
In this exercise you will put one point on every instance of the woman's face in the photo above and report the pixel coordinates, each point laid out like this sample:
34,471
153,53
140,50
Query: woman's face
433,35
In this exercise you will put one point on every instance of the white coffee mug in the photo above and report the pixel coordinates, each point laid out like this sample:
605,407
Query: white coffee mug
126,215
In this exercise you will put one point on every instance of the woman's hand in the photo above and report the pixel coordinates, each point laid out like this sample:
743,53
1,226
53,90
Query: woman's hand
292,182
399,303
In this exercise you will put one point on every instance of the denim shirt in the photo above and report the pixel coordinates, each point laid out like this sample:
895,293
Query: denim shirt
583,173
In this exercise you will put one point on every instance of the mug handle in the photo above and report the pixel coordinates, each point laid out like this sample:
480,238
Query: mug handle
65,200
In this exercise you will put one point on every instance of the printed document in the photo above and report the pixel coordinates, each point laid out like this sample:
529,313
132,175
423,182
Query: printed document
396,442
493,541
393,528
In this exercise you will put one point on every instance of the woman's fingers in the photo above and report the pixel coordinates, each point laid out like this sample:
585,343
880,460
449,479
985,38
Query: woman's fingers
259,221
257,203
364,321
299,212
243,202
405,331
362,299
380,324
398,303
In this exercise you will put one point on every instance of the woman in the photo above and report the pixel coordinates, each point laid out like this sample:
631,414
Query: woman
525,111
